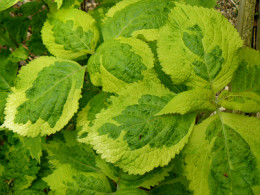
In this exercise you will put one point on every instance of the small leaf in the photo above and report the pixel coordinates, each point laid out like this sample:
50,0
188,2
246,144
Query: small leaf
4,4
45,101
245,86
222,156
70,34
190,101
192,48
131,15
34,146
119,63
130,136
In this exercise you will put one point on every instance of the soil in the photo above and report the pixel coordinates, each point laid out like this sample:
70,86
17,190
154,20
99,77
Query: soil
229,8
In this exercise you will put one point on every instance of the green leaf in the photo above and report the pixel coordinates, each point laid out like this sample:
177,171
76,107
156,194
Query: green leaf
245,86
202,45
35,43
208,3
222,156
8,70
119,63
131,15
31,8
175,183
34,146
4,4
19,169
130,136
190,101
70,34
66,180
43,102
17,28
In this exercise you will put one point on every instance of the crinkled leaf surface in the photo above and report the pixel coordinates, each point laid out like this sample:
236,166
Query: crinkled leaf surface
70,33
131,15
120,62
19,169
189,101
130,136
245,86
4,4
199,46
222,156
45,96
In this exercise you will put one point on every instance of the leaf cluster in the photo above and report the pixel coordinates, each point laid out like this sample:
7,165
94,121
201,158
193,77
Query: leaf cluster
133,97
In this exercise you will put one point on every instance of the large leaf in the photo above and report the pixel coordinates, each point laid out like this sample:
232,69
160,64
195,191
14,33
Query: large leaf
130,136
222,156
120,62
245,86
45,96
131,15
4,4
199,46
70,33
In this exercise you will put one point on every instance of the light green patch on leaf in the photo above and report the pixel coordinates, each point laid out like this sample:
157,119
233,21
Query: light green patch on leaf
190,101
199,47
130,136
119,63
207,3
44,102
131,15
34,146
66,180
4,4
70,34
245,86
222,156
